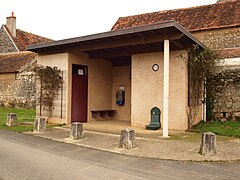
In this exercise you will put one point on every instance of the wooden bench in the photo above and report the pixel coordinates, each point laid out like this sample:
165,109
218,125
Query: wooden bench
102,113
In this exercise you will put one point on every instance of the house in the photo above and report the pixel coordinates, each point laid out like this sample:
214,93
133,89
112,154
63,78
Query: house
139,62
17,83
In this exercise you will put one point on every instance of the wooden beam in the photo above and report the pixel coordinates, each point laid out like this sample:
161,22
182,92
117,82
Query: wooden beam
175,42
125,41
125,51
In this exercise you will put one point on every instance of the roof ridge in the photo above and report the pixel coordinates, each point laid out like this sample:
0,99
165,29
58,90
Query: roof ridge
191,18
13,53
180,9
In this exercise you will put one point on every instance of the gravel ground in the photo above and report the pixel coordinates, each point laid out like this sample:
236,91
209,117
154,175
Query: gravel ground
174,149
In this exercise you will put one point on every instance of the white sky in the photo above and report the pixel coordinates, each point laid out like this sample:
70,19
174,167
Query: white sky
60,19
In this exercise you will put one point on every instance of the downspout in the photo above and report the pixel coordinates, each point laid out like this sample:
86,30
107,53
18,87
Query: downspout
61,96
204,101
40,105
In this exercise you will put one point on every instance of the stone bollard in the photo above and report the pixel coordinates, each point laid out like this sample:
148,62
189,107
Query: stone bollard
127,139
208,144
76,131
11,119
39,124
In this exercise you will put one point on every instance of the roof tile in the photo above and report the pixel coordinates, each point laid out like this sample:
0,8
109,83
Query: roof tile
230,53
218,15
13,62
24,39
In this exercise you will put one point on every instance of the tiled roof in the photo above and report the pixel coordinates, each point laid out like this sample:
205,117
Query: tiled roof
23,39
218,15
230,53
13,62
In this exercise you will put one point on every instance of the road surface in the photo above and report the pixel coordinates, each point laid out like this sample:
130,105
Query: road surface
28,157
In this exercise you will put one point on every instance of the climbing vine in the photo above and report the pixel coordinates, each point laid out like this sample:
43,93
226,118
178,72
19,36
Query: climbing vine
202,64
50,82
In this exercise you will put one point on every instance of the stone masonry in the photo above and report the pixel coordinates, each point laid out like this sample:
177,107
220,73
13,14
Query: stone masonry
217,39
226,94
18,90
5,43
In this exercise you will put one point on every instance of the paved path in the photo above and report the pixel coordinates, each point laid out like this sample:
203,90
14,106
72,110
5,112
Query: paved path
174,149
28,157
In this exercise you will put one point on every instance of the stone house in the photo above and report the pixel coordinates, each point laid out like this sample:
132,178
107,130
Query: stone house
17,81
138,63
17,84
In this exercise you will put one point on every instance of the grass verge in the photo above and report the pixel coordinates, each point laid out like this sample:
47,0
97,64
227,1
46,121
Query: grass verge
228,128
23,115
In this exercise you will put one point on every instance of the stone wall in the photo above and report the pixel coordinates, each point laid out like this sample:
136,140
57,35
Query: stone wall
6,44
220,38
18,90
226,94
225,101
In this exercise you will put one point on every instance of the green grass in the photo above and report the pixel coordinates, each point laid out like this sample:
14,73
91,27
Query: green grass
23,115
228,128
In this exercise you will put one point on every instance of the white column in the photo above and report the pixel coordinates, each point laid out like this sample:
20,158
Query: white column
166,88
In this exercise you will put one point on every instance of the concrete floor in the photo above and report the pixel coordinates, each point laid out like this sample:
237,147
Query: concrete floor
115,127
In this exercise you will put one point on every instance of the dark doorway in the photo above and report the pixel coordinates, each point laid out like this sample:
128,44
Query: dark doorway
79,93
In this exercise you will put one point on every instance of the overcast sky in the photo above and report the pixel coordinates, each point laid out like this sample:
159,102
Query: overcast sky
60,19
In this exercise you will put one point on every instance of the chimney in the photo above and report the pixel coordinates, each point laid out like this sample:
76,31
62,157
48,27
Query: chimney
11,24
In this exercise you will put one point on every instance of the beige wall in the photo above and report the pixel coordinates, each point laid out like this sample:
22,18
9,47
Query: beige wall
99,83
147,89
122,76
60,61
8,76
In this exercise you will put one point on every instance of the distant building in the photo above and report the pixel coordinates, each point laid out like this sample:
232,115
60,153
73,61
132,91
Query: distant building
17,83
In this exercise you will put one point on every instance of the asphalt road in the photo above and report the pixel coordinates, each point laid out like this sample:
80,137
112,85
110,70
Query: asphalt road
28,157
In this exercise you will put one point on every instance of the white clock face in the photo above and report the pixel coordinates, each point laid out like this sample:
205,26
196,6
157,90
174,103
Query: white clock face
155,67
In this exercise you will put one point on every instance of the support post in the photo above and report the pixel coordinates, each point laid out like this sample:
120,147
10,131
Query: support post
166,89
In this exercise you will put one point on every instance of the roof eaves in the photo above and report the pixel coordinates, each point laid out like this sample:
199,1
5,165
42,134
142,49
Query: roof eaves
189,35
126,31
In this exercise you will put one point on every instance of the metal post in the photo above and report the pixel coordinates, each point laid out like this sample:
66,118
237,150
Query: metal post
166,89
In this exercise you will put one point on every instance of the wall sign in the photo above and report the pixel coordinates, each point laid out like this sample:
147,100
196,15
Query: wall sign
80,71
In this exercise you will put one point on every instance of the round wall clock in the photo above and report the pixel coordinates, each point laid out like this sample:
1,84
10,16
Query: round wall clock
155,67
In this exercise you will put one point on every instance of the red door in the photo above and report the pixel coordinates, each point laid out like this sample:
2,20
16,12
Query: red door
79,97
